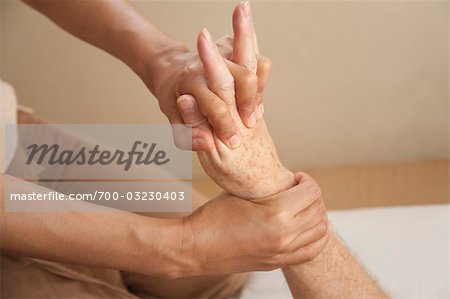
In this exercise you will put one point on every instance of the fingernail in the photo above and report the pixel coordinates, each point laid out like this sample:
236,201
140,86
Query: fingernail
330,226
246,8
234,141
259,111
207,35
262,108
186,105
252,119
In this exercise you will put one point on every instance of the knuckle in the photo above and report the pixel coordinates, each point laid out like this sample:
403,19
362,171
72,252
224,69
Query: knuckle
322,206
219,110
189,70
323,210
227,86
318,191
314,189
309,255
275,261
320,209
277,243
228,39
180,142
218,117
314,193
225,40
323,228
280,219
172,273
249,79
264,63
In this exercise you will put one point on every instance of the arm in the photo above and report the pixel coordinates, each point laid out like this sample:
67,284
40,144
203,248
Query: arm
166,66
213,240
115,27
116,239
254,168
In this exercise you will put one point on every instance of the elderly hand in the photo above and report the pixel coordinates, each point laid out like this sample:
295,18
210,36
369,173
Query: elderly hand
181,72
229,235
254,169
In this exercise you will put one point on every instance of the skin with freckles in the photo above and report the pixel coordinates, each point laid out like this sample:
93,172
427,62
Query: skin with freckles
252,170
334,273
169,70
241,160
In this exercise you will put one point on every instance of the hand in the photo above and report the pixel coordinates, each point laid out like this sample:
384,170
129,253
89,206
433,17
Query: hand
181,72
229,235
254,169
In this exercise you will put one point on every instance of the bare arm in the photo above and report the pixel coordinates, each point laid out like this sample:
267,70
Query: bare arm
171,247
118,240
334,273
166,66
254,168
115,27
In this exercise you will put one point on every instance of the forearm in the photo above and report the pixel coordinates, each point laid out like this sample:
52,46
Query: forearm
115,239
334,273
116,27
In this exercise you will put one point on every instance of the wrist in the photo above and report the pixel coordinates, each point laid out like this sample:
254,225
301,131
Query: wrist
282,180
155,65
145,49
161,242
286,179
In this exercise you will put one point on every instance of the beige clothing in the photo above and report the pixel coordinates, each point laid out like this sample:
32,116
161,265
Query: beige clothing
32,278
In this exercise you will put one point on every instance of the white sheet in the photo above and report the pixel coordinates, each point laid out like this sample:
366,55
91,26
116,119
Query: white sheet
406,248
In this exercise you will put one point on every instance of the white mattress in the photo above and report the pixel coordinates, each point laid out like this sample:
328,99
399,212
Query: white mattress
406,248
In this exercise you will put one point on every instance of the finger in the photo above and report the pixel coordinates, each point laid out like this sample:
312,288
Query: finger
244,37
202,139
303,177
215,110
313,234
246,84
219,78
202,144
195,139
297,198
263,71
309,217
308,252
264,66
255,40
190,112
244,54
181,140
182,136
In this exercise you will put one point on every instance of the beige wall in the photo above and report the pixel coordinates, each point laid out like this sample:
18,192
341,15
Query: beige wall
352,82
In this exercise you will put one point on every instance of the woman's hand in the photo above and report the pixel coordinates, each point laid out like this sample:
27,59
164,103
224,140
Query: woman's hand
229,235
181,72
